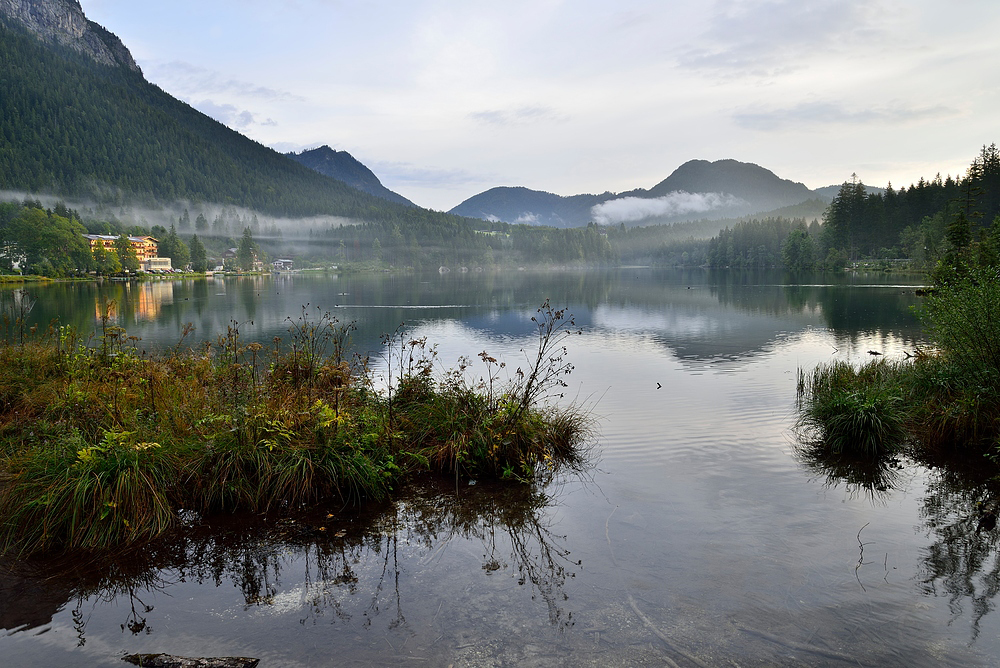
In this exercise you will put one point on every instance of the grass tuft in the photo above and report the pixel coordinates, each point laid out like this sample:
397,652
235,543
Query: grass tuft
851,410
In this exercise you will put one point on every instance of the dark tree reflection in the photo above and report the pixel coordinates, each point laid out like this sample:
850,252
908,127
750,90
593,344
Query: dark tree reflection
330,558
963,562
959,514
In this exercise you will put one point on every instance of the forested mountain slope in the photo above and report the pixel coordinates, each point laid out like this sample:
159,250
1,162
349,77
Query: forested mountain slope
344,167
532,207
75,127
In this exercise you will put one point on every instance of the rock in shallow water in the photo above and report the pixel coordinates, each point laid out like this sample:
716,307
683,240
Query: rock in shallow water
169,661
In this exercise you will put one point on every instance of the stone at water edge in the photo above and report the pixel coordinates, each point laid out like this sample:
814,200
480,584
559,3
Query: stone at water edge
169,661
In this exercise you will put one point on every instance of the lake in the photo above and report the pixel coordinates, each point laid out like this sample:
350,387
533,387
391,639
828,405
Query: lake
699,536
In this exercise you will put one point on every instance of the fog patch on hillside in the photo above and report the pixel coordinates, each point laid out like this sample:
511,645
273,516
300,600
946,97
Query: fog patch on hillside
677,203
223,220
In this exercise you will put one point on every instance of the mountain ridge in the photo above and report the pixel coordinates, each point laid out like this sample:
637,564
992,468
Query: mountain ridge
63,22
697,189
79,124
344,167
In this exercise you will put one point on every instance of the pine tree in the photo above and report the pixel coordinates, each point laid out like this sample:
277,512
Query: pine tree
199,260
173,247
246,252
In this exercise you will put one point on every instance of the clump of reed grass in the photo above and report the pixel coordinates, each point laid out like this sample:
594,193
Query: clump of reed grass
495,427
68,494
854,410
104,444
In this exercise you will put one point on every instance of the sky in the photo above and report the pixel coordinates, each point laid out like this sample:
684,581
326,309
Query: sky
443,99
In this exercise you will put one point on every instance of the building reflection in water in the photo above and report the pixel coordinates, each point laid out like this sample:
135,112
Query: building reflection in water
133,302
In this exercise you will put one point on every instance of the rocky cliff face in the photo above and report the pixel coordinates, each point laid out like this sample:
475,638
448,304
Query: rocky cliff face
63,22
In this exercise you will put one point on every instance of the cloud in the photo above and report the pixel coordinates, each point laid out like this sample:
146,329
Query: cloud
827,113
186,78
410,174
230,115
630,209
768,37
528,218
518,117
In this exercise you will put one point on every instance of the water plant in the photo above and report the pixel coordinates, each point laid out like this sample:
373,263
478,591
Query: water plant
854,410
102,445
944,398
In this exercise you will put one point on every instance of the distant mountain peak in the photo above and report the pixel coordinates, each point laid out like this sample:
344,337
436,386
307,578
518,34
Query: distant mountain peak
344,167
745,180
697,189
63,22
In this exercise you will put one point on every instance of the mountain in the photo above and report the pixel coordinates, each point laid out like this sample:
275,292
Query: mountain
534,207
761,188
697,189
78,120
829,192
62,22
344,167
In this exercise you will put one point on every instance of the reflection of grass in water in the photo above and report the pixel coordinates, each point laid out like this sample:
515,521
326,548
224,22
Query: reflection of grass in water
337,558
876,477
960,514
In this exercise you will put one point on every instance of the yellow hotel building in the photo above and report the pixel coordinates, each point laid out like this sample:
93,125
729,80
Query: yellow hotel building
144,247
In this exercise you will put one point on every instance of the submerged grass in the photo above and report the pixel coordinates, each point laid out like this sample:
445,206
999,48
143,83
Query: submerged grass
102,445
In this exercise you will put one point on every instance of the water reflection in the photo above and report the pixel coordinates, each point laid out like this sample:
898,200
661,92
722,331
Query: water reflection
318,566
959,514
962,563
875,478
700,315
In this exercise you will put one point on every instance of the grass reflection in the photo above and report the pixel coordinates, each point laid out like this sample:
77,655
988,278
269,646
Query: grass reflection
320,565
962,562
873,477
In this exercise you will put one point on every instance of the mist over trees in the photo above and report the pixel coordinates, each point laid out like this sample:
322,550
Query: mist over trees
75,128
918,226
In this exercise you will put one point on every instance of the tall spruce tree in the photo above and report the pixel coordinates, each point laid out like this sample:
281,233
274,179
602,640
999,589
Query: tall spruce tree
199,259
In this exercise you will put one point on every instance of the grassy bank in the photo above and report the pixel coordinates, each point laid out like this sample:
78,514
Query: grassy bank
102,445
945,399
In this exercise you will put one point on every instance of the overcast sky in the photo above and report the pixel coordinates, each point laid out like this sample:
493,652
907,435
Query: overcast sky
443,99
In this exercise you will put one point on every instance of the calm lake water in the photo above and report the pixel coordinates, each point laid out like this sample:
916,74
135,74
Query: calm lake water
699,537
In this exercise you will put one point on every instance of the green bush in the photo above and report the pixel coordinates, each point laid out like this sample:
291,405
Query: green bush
963,318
